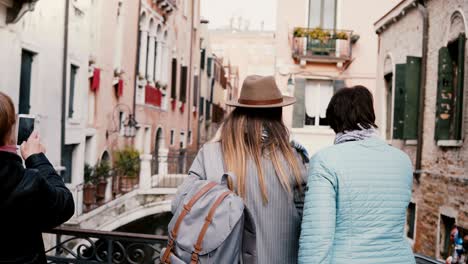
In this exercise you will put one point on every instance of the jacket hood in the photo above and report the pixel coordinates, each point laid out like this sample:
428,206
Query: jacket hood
11,174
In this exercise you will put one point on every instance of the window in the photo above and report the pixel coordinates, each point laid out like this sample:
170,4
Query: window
201,107
322,13
405,100
389,104
208,110
155,66
172,137
189,137
25,82
410,220
182,140
318,94
174,79
67,159
446,225
449,112
209,66
71,94
122,119
195,91
202,59
183,83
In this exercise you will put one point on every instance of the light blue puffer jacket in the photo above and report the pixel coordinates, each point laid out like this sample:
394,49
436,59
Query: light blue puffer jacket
355,205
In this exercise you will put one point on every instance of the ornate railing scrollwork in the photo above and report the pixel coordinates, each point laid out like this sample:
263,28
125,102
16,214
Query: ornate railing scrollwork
89,246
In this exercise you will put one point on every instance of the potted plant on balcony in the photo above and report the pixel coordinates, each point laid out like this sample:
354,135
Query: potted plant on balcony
102,172
127,165
89,188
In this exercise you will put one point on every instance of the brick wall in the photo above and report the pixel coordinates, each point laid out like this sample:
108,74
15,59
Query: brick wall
443,188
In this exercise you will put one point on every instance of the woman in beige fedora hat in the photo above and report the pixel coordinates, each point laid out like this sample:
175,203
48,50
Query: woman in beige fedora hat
270,171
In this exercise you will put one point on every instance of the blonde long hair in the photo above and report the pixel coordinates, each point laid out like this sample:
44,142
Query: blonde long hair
241,139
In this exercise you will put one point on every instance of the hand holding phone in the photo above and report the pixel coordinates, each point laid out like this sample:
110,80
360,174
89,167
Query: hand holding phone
32,146
25,127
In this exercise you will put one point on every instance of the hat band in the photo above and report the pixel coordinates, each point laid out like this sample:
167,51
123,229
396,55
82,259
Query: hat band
260,102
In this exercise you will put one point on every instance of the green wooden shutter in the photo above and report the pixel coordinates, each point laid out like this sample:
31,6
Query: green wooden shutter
458,118
399,101
412,85
209,66
299,106
445,91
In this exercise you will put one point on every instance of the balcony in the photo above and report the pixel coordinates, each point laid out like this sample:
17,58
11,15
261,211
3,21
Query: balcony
322,45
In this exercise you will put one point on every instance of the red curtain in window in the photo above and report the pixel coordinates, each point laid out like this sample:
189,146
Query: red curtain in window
120,87
153,96
96,79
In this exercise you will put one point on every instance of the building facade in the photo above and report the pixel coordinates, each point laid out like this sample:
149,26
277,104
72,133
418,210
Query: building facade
404,83
47,76
253,52
322,46
167,70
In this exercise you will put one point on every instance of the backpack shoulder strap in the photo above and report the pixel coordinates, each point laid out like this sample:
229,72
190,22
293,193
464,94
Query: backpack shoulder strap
185,211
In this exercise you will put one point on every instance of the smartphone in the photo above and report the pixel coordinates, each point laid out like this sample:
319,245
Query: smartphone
25,127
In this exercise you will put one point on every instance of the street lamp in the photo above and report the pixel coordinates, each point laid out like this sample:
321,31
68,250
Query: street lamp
126,127
130,127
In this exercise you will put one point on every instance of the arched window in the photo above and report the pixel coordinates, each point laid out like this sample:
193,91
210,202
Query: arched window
451,85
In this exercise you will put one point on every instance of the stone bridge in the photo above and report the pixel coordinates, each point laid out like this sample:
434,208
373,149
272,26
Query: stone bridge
149,198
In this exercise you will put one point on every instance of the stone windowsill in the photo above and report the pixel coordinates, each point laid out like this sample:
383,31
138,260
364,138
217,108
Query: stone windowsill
450,143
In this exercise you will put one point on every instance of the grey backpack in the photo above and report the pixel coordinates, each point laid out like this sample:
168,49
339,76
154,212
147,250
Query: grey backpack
211,225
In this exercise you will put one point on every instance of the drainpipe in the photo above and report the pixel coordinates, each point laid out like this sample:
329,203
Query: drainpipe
189,90
64,83
422,90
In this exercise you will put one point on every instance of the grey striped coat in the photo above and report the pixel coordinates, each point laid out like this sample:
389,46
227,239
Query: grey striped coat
277,222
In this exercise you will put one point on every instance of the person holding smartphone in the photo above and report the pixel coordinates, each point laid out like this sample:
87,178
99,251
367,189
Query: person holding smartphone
32,198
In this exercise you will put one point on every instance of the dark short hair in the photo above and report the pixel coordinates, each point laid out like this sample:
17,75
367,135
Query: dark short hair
351,109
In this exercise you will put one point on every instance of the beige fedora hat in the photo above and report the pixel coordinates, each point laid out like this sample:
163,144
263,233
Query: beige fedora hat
261,92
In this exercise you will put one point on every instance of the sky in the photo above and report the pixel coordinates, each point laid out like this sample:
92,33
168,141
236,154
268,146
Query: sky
251,12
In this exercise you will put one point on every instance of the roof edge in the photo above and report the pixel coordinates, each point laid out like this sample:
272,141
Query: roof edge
400,10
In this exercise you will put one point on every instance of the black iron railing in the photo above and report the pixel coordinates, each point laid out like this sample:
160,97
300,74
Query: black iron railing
89,246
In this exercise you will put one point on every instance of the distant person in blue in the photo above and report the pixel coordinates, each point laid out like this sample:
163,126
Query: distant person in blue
358,191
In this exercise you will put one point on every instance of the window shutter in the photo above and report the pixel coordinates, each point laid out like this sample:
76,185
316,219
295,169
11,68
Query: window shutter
444,95
195,91
202,106
399,101
459,89
174,79
183,83
338,85
209,66
412,85
208,110
202,59
299,106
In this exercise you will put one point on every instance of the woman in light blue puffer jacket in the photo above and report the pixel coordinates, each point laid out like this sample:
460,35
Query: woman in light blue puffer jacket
358,191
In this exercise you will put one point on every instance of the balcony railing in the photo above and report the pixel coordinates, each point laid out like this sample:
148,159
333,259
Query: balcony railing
322,45
89,246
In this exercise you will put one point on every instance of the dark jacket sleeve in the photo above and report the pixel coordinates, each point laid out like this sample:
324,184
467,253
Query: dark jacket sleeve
57,202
